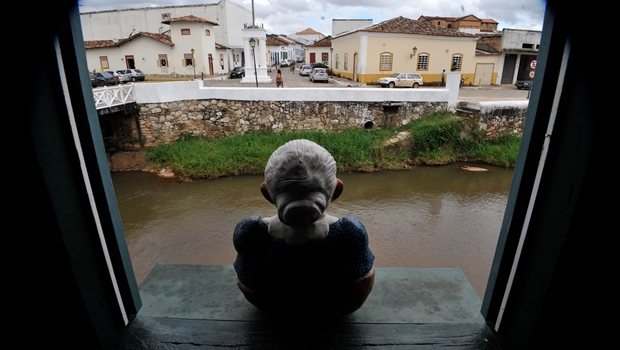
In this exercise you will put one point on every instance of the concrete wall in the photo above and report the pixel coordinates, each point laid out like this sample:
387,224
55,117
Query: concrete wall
513,39
171,110
340,26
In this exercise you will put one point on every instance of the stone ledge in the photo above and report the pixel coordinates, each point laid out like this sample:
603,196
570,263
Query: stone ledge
406,296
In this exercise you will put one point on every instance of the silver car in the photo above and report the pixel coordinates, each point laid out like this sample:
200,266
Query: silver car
306,69
319,74
123,77
134,74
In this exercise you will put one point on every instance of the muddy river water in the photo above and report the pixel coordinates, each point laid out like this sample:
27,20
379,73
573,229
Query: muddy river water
424,217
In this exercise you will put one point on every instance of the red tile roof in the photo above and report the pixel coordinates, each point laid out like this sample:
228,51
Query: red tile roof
98,44
325,42
402,25
190,18
308,31
276,41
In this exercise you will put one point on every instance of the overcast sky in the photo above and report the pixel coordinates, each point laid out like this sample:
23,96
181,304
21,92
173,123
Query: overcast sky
290,16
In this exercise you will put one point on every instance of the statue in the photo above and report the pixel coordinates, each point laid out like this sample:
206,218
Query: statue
303,261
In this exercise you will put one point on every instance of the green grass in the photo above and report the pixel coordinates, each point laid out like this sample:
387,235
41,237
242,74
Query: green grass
437,140
353,150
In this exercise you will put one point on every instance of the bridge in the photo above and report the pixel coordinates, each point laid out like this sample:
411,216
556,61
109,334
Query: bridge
113,99
118,117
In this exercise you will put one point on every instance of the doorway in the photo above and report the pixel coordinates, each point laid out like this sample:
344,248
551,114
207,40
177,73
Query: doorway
130,62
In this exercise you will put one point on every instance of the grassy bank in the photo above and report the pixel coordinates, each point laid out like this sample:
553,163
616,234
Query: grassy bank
439,139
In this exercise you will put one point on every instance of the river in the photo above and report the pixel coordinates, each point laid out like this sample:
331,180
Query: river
424,217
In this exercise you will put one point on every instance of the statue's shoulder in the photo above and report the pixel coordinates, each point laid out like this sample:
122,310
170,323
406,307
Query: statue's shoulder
350,225
350,231
248,231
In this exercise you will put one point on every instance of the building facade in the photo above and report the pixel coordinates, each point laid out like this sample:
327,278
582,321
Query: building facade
188,49
468,24
124,23
519,47
405,45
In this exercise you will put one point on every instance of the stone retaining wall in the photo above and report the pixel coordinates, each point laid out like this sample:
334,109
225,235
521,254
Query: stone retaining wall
497,119
165,122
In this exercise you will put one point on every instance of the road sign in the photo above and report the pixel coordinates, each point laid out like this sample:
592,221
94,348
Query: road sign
533,64
531,75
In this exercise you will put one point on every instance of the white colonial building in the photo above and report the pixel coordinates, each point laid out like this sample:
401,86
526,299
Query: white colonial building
121,27
187,49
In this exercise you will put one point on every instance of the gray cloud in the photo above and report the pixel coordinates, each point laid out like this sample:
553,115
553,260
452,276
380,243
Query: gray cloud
290,16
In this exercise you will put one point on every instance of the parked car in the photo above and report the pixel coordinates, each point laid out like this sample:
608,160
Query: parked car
105,78
93,79
412,80
117,75
237,72
319,74
284,63
523,84
319,65
306,69
124,77
134,74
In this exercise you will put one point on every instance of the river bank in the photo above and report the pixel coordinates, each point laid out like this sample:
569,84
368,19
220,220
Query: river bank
439,139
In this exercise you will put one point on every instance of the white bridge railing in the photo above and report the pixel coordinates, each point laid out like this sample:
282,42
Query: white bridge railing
114,96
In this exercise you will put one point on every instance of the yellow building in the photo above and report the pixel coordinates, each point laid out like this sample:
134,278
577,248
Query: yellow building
405,45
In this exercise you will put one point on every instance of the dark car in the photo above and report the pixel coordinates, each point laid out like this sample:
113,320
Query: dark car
93,79
523,84
237,72
104,78
319,65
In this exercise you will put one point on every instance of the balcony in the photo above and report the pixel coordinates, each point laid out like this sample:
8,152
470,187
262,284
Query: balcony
200,306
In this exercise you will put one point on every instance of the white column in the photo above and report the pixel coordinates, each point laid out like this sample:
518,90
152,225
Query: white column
263,51
249,61
453,81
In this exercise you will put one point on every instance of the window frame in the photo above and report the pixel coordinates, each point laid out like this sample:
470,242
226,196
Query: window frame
386,66
186,31
459,60
428,56
102,60
186,57
346,61
159,60
208,32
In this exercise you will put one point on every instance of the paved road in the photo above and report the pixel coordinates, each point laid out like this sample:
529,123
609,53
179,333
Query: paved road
294,80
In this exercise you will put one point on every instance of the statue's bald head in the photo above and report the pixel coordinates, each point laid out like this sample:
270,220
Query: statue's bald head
300,178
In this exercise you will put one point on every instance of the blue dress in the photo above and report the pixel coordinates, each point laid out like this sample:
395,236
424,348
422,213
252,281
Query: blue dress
317,271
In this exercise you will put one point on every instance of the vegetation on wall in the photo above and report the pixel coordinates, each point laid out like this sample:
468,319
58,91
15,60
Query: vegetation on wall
437,139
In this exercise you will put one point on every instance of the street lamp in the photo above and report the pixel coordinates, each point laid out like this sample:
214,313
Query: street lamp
253,44
414,50
194,63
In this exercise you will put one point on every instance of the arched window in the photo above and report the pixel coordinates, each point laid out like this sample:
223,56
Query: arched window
423,61
346,61
385,61
457,62
337,60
